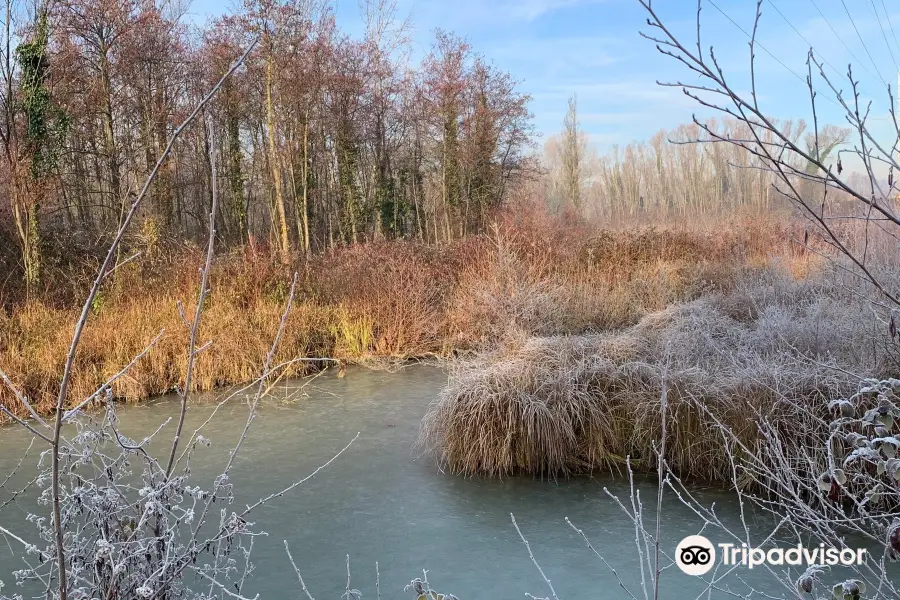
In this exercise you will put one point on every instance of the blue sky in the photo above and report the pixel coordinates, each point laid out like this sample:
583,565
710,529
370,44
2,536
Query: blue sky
592,48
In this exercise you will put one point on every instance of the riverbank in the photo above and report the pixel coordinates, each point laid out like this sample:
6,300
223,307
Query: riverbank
394,300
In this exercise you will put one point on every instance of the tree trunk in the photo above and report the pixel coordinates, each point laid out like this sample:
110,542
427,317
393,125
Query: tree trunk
112,153
26,218
236,179
281,212
305,175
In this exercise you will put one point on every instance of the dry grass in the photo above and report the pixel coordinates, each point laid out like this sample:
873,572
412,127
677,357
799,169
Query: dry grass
533,275
769,347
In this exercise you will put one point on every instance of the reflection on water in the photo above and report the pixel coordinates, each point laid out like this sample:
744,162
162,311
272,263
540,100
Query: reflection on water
378,503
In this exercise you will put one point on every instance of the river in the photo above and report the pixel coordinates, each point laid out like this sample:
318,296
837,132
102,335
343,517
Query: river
380,502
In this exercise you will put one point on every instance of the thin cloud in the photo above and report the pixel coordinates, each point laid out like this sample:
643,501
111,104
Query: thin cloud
556,57
529,10
480,14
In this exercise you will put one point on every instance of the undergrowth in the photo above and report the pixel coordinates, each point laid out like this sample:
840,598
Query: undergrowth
398,300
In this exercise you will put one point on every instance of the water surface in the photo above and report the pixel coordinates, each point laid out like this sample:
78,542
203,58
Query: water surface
380,502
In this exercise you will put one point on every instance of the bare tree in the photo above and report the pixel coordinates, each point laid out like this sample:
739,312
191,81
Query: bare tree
572,155
797,167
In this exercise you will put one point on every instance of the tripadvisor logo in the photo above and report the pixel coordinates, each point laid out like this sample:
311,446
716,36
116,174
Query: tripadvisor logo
696,555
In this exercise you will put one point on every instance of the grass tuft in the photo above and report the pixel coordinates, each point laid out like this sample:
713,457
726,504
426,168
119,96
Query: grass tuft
770,348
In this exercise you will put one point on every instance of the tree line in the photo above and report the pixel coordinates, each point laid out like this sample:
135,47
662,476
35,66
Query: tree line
319,139
683,172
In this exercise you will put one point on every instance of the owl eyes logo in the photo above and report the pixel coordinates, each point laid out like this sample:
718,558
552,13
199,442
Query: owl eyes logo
695,555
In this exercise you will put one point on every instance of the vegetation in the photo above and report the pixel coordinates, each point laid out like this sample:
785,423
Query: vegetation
670,176
323,139
396,299
753,349
767,348
769,390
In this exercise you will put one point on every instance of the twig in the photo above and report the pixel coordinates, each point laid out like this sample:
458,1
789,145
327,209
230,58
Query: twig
531,556
198,312
297,571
